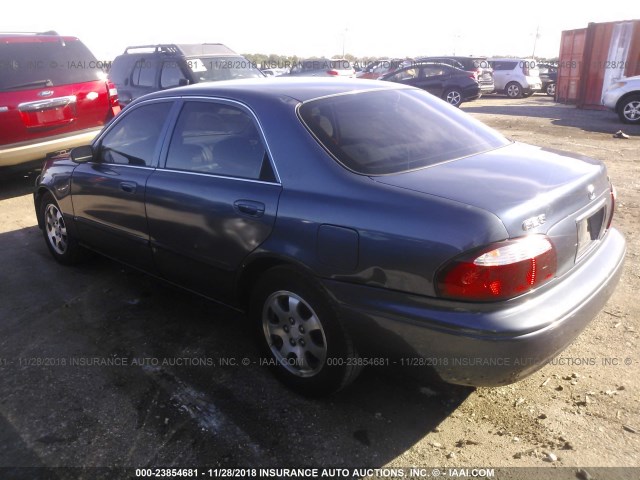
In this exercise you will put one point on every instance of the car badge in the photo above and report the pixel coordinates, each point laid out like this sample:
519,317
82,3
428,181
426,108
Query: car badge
45,93
591,191
534,222
92,95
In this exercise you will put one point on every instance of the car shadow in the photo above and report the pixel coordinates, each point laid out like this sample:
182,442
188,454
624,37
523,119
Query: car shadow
599,121
150,375
18,181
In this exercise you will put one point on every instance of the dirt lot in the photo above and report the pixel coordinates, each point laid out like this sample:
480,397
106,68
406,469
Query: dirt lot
184,403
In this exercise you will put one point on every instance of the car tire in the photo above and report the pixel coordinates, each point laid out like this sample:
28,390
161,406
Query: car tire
62,245
629,109
301,334
513,90
550,90
453,97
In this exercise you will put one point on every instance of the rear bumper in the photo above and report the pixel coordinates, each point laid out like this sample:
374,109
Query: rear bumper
481,344
16,154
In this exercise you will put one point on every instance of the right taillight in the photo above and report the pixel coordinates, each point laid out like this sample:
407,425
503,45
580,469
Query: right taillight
499,271
113,98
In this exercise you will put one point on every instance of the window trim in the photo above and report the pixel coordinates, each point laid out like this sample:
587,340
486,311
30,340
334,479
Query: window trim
162,164
97,143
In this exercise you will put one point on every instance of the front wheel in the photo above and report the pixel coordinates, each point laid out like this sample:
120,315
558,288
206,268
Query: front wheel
514,90
453,97
629,109
301,333
63,247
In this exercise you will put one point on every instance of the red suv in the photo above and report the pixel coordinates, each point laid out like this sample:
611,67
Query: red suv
53,96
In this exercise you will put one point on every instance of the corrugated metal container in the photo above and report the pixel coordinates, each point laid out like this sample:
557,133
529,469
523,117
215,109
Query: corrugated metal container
595,57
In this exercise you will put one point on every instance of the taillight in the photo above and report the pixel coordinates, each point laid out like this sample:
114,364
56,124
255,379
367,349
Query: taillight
113,98
499,271
332,72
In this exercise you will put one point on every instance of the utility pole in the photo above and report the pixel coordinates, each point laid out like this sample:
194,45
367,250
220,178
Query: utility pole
535,41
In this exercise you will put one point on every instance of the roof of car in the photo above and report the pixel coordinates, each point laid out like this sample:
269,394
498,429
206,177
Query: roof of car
301,89
186,49
34,38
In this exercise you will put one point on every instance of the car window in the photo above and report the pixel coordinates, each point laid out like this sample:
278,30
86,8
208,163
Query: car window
133,140
393,131
405,74
432,71
502,65
171,74
41,64
144,74
220,139
212,69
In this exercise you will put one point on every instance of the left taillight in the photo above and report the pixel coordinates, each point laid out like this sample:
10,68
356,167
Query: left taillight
333,72
499,271
113,98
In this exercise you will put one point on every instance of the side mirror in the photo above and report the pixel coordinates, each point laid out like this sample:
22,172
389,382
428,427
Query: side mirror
82,154
183,82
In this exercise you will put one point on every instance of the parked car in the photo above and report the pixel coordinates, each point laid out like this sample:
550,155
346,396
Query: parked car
516,77
148,68
451,84
623,97
53,95
323,67
478,66
357,222
548,78
375,70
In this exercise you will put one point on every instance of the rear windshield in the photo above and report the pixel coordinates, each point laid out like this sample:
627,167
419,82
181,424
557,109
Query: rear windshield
385,132
212,69
30,65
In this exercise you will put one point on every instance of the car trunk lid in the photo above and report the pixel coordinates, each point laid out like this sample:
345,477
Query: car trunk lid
530,189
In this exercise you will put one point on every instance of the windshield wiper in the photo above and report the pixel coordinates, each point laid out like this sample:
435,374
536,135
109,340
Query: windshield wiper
38,83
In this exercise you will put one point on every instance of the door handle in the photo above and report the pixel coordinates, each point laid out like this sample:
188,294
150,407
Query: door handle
129,187
249,207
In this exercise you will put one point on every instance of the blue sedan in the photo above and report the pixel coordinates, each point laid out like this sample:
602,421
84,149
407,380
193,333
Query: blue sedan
356,222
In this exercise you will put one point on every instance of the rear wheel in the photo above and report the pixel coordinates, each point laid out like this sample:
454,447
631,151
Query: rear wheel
513,90
63,246
307,346
551,89
453,97
629,109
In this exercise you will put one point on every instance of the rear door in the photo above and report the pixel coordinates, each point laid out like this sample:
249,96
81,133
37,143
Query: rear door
215,200
49,86
109,192
432,78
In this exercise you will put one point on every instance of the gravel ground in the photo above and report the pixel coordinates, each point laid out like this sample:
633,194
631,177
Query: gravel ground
185,399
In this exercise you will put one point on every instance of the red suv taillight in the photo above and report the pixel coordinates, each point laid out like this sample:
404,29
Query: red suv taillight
113,98
499,271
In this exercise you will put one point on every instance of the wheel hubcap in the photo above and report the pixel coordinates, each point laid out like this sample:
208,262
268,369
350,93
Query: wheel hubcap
632,111
56,229
513,91
294,334
454,98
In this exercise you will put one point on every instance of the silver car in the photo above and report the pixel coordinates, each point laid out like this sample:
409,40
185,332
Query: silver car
516,77
623,97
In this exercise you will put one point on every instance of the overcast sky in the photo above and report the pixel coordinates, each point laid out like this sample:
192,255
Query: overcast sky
397,29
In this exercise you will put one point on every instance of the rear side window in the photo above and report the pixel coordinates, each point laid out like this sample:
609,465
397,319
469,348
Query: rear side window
144,73
392,131
220,139
501,65
31,65
133,140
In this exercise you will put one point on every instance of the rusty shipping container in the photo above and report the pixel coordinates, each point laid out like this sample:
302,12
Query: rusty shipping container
593,58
